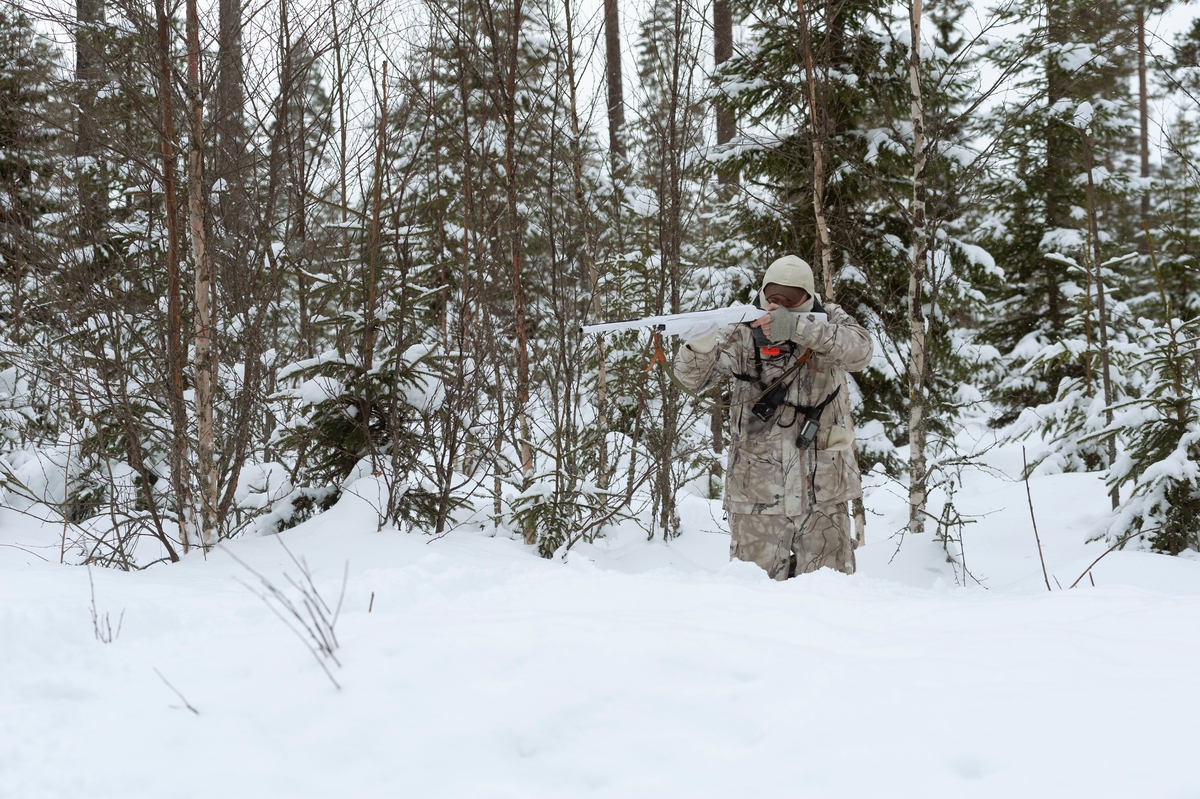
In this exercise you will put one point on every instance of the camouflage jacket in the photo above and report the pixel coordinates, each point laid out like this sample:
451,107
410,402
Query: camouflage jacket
767,472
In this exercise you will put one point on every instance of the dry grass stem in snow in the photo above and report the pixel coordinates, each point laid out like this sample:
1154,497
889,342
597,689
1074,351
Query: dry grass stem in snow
101,622
310,617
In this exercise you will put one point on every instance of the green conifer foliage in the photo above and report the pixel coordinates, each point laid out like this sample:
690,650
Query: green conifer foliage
1080,52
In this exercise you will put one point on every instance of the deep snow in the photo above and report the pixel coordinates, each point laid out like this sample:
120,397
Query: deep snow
633,669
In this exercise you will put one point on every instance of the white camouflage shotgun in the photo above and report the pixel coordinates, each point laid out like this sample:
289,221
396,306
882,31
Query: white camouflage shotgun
679,323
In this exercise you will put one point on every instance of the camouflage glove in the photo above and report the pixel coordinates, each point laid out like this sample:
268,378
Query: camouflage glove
783,324
701,337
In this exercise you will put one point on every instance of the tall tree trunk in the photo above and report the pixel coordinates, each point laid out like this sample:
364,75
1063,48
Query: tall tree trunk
89,76
180,478
370,278
612,75
589,257
728,177
824,245
505,66
231,236
1094,231
670,245
1144,118
343,335
515,245
722,52
916,317
616,116
1059,168
205,363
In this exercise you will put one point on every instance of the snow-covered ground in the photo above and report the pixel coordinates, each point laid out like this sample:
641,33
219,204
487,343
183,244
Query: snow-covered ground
634,669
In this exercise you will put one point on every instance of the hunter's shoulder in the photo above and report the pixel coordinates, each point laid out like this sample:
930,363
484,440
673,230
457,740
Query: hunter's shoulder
837,313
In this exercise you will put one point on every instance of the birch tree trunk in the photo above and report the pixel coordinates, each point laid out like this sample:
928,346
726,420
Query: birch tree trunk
180,478
917,366
205,362
515,245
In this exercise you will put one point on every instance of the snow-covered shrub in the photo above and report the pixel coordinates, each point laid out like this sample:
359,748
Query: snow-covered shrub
1160,466
345,418
556,510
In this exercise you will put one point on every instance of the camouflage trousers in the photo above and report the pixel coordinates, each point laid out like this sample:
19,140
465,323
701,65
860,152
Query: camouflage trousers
785,546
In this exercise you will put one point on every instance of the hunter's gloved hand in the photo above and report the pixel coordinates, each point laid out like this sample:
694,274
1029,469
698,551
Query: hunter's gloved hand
701,337
783,325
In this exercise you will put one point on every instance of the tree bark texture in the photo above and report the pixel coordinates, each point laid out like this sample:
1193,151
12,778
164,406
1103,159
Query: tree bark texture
824,242
817,131
917,423
1102,311
589,255
722,52
89,76
205,359
505,54
232,216
1058,147
515,245
612,76
1143,116
180,477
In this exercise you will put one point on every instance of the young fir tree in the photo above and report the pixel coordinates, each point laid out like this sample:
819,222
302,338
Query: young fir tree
1039,225
1159,469
30,195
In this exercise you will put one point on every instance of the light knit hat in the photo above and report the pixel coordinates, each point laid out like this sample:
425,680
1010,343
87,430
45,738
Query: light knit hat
791,270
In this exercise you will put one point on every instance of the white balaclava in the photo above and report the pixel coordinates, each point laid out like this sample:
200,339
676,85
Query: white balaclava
791,270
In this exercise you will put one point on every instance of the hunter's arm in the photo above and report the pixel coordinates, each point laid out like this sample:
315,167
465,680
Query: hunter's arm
700,370
840,339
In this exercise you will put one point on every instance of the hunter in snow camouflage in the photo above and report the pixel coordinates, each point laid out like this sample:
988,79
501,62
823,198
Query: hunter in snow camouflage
787,506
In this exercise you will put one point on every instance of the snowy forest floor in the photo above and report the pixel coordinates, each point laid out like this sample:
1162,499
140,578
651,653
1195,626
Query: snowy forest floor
635,669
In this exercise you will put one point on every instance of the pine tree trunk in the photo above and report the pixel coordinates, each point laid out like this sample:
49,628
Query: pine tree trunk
612,76
231,226
916,317
180,477
205,363
722,52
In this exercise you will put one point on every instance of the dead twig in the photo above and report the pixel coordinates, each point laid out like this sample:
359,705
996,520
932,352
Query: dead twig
102,623
1036,537
182,698
311,619
1120,543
